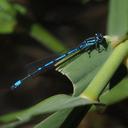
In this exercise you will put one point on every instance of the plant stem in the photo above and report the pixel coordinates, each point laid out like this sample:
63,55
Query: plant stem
100,81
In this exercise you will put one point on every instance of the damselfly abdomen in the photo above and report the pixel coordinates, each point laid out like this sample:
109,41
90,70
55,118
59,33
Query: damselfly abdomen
87,45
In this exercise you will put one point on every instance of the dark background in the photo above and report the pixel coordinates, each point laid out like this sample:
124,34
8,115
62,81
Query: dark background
71,21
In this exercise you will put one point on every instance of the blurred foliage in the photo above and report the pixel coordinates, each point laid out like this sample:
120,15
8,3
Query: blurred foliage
47,39
89,75
8,12
9,22
118,18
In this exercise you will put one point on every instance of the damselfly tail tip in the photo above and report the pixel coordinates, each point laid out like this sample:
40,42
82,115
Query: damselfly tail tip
12,87
16,84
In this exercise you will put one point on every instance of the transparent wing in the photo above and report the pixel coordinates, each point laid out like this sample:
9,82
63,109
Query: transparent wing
38,63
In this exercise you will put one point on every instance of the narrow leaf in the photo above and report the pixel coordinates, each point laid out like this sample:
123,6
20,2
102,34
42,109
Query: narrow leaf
118,17
116,94
46,39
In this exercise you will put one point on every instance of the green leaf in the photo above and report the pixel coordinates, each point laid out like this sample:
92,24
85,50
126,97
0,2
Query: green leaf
100,81
7,7
82,68
7,23
54,103
19,8
122,50
46,39
55,119
13,124
7,17
118,17
116,94
8,13
80,79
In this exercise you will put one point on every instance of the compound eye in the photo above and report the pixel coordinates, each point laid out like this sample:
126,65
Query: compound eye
99,37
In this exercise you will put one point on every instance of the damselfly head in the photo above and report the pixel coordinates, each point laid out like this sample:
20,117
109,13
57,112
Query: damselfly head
99,37
101,40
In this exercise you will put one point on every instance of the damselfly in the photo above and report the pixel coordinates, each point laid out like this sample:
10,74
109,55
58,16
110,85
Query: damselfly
87,45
